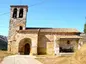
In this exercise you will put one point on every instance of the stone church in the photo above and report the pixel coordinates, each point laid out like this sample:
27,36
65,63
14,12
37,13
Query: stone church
39,41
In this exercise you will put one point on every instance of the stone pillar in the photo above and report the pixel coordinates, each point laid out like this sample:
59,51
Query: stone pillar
13,47
34,47
56,45
34,50
80,43
9,46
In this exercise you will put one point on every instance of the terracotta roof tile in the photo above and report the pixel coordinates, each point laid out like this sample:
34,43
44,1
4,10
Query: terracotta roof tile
54,29
68,36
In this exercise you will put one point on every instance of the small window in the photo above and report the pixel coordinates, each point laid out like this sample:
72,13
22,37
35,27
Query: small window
68,42
15,13
21,13
20,28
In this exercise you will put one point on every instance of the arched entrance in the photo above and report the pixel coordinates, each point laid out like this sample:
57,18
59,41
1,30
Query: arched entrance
27,49
25,46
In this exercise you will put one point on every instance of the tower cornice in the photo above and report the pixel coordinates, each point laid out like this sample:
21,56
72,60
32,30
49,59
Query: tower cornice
20,6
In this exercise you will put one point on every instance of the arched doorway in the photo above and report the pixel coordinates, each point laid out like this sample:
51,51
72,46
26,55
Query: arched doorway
27,49
25,46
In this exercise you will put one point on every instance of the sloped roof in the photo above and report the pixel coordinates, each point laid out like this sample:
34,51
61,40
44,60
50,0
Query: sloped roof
53,29
68,36
59,30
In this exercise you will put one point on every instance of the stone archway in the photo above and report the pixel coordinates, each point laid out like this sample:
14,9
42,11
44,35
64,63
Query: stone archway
24,46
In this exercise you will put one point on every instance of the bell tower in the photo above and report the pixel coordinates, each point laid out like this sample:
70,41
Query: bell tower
18,14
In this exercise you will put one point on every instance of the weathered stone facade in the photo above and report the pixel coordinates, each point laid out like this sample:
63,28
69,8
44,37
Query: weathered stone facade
33,41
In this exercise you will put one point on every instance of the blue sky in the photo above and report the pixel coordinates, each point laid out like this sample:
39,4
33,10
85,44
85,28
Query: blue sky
50,13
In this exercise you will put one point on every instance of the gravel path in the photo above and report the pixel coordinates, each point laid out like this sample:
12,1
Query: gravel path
20,59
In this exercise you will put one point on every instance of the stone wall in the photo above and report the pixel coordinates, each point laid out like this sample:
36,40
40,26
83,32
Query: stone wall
21,36
15,23
46,43
83,35
42,43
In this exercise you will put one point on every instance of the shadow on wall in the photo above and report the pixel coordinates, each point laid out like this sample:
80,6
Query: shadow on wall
42,45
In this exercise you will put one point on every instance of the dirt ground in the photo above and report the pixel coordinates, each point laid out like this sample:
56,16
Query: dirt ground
54,59
43,59
79,57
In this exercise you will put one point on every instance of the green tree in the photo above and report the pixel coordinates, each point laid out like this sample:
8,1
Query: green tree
85,28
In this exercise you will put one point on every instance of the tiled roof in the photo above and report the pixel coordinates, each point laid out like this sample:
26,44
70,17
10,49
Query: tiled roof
68,36
54,29
59,30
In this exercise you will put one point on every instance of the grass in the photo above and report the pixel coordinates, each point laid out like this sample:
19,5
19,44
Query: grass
79,57
3,54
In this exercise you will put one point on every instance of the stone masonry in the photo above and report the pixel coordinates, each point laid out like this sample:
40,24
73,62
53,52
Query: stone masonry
39,41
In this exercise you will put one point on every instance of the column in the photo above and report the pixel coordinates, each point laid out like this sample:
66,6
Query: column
34,47
9,46
18,9
80,43
56,45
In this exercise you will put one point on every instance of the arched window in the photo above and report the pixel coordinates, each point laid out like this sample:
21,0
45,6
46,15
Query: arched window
20,28
21,13
15,13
